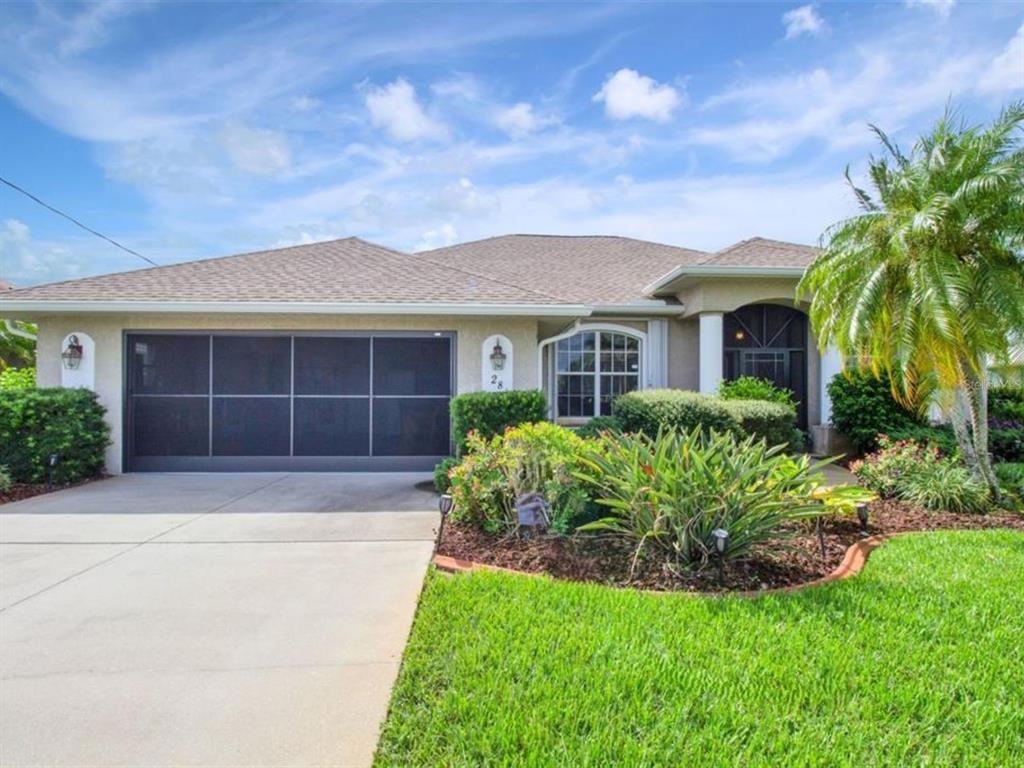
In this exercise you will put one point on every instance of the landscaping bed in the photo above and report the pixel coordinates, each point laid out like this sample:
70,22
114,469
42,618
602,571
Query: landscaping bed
773,564
19,491
916,661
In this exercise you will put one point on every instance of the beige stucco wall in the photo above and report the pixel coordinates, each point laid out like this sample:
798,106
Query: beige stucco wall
108,333
684,353
727,294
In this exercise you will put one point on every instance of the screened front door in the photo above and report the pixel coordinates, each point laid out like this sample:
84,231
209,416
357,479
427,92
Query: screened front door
769,341
220,401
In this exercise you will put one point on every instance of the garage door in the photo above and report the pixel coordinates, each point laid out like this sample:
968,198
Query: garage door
236,402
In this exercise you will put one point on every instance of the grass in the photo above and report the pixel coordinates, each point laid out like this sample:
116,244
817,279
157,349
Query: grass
917,661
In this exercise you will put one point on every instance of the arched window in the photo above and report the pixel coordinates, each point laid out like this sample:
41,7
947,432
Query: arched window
592,368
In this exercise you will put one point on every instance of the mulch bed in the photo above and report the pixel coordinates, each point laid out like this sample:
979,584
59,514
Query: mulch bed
20,491
774,564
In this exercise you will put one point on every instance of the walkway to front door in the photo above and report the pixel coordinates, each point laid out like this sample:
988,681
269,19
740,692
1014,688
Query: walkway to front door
207,619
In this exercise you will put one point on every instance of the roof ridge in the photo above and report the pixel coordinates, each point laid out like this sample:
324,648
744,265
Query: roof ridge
559,237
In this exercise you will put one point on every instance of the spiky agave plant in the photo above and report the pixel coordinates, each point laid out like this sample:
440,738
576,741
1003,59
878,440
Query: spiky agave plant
927,283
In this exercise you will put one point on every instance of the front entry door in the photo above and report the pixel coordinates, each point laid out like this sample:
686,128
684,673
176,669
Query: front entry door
768,341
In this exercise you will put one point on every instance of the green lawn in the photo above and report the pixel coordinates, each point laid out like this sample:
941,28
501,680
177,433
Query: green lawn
917,661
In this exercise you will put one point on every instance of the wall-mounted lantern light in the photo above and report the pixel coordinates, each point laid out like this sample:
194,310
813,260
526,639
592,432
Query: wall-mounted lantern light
740,335
498,357
71,357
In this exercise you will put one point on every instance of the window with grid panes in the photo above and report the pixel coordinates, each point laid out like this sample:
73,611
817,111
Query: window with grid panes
592,368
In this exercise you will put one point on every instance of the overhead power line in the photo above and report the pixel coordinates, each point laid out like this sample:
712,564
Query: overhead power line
76,222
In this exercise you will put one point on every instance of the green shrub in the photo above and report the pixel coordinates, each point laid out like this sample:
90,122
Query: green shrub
540,457
885,470
1006,403
938,436
35,423
1006,444
1011,482
653,410
753,388
491,413
5,480
1003,444
441,480
921,474
863,408
670,492
17,378
773,422
599,424
947,486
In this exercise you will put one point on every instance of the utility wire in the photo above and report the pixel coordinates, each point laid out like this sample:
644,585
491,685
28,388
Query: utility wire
76,222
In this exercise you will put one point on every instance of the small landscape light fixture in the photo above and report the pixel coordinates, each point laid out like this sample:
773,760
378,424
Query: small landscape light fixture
498,357
51,464
721,537
862,515
71,357
444,504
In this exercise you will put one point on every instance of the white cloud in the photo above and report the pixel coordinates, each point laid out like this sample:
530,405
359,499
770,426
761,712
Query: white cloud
628,94
305,103
1006,72
766,118
437,238
941,7
394,108
803,21
92,26
254,150
466,198
521,120
24,261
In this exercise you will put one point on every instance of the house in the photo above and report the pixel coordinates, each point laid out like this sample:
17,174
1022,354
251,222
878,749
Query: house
343,355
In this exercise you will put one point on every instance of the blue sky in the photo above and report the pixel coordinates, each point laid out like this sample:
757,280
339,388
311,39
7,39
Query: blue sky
195,130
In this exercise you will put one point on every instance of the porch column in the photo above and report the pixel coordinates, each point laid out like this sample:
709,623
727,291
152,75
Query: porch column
711,352
831,364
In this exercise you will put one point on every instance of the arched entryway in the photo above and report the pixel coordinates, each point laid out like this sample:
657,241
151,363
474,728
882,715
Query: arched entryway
769,341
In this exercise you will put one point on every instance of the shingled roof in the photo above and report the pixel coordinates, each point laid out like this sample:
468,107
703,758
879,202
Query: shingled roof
337,271
761,252
526,270
578,269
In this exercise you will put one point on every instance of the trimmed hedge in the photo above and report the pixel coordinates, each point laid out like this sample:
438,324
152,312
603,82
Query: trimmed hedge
491,413
649,410
863,408
35,423
774,422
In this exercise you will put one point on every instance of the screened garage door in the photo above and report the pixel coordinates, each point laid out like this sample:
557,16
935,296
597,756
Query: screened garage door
236,402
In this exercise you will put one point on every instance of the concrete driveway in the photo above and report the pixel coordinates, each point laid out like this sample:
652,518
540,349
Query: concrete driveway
207,619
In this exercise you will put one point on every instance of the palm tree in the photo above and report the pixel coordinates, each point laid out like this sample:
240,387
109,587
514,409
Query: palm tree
17,347
926,284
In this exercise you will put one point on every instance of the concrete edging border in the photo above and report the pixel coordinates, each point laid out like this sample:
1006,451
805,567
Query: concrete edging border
852,563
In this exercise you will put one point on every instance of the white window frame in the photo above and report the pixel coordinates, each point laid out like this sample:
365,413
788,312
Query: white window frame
551,387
